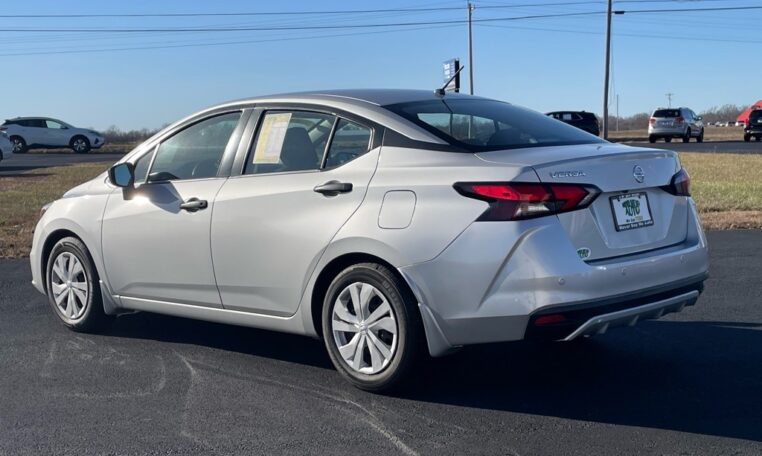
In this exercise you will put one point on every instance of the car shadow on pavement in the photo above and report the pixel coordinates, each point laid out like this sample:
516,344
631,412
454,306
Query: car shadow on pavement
698,377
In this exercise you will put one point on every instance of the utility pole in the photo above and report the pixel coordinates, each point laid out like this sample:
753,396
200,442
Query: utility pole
470,50
669,99
617,112
606,73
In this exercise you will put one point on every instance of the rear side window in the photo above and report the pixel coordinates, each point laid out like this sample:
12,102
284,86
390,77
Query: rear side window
478,125
667,113
350,140
289,141
588,116
195,152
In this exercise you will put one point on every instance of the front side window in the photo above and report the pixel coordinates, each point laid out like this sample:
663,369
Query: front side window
350,140
289,141
195,152
483,125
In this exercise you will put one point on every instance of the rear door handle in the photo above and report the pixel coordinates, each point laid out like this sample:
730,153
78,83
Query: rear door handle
333,188
193,204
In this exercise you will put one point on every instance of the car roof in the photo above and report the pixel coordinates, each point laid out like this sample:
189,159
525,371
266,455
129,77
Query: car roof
378,97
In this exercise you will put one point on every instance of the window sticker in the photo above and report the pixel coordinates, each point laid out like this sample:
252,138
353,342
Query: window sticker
270,139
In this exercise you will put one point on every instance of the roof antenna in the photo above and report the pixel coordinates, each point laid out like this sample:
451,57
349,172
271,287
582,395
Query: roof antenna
441,91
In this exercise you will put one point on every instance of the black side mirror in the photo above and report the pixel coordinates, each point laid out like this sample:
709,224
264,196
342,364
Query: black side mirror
122,175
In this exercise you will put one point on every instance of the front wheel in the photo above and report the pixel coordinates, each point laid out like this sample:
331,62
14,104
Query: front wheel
687,136
700,137
73,286
19,145
747,138
372,327
80,144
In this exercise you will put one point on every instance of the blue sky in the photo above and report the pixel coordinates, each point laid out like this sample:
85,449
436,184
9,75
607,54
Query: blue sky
705,59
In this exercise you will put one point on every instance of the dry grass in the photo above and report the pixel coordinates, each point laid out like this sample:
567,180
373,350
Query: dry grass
710,134
22,196
727,189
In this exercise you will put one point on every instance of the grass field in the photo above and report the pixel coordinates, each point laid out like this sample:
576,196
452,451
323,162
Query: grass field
710,134
727,189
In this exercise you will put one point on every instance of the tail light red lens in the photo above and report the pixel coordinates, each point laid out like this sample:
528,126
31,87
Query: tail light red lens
524,200
679,120
680,184
652,120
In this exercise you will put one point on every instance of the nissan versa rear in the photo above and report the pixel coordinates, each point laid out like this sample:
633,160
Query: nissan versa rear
388,223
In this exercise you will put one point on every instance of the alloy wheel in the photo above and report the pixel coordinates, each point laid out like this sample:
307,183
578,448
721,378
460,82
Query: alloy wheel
68,283
364,328
79,145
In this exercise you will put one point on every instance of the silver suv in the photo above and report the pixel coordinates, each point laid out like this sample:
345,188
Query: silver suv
668,123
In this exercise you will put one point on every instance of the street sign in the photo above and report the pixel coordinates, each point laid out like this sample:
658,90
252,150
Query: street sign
450,68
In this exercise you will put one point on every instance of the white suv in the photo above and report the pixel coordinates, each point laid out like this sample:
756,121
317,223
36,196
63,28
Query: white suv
671,123
29,132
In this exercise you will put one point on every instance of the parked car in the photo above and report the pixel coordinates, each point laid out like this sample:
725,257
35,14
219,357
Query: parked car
386,222
754,129
668,123
583,120
44,132
6,146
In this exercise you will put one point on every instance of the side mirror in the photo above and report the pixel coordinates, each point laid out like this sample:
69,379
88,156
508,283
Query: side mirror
122,175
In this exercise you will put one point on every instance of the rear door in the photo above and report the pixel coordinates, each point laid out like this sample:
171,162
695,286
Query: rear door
304,174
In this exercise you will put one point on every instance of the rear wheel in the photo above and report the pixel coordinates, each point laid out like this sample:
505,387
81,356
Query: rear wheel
73,286
19,145
652,139
372,327
747,138
80,144
700,137
687,136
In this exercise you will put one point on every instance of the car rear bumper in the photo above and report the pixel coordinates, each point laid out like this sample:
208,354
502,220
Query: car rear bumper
672,131
472,293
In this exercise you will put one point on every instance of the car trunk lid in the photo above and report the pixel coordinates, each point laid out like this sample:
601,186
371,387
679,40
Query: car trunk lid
632,214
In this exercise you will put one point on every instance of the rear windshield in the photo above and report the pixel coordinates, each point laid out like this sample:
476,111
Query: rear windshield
479,125
667,113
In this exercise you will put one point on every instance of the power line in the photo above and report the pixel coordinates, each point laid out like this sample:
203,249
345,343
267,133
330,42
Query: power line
691,10
291,28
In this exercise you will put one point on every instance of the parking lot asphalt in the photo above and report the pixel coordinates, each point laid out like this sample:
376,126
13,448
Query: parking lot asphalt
690,383
21,163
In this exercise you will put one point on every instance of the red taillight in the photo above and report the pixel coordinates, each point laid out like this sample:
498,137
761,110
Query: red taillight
652,120
680,184
549,319
522,200
679,120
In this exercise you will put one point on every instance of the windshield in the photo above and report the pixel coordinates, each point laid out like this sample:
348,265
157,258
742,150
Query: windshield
755,116
479,125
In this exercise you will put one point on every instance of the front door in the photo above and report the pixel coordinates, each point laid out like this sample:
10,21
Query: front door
156,241
272,223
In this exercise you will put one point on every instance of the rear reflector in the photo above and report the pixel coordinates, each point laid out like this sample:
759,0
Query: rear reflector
523,200
549,319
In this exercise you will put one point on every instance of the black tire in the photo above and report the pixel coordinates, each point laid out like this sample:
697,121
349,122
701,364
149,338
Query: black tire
80,144
410,341
700,137
747,138
652,139
667,139
759,138
687,137
19,145
90,316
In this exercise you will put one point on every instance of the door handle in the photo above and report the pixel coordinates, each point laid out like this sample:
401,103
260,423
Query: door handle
333,188
193,204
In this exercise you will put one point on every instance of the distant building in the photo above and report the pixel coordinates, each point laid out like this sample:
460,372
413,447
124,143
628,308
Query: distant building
744,116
